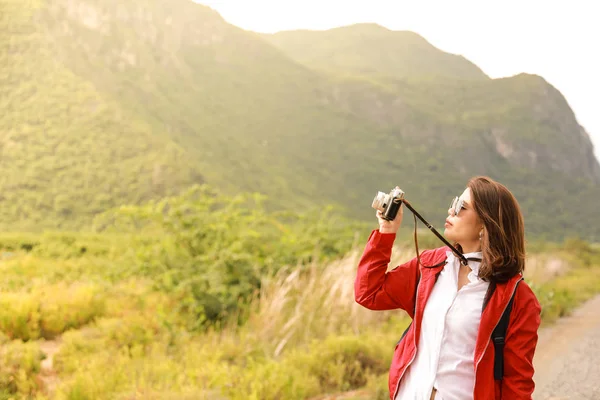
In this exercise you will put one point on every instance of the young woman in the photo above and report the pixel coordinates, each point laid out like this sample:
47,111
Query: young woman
447,353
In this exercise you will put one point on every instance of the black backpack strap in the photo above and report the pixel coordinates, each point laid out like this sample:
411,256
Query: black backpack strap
499,337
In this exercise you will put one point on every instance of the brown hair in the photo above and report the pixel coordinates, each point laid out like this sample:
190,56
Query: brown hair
503,239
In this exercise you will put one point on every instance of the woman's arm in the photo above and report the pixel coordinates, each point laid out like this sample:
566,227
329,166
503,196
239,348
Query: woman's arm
521,340
376,289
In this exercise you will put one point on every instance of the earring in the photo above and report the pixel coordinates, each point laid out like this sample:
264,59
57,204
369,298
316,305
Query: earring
480,234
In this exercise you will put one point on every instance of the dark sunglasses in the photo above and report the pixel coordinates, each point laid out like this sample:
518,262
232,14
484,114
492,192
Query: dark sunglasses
456,206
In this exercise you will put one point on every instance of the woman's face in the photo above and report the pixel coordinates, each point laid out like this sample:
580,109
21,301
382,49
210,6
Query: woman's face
464,228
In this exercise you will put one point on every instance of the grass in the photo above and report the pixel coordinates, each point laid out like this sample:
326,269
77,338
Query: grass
144,315
122,306
304,335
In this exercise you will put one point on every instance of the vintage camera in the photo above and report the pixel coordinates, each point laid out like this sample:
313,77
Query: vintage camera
388,204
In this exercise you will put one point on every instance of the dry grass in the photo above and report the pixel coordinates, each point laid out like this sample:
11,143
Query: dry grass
301,304
542,268
311,302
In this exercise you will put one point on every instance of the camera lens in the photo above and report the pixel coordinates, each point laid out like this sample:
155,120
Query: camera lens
380,201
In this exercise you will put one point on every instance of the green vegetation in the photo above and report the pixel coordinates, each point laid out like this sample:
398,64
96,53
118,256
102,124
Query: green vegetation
373,49
183,203
68,151
578,283
112,103
210,296
215,248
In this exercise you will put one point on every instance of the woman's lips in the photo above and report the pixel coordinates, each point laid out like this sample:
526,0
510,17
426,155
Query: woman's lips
447,224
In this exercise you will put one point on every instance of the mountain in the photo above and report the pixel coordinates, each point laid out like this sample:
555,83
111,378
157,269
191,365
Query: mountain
68,149
373,49
108,103
524,109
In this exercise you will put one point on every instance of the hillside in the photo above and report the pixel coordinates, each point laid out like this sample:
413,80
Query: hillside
69,150
528,119
373,49
107,103
239,107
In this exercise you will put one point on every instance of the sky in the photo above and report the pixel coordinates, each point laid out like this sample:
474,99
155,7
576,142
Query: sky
551,38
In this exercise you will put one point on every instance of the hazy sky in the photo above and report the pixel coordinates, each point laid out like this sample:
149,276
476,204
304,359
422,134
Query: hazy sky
554,39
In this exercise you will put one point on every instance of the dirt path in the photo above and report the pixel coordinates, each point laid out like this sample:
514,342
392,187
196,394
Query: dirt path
567,359
48,374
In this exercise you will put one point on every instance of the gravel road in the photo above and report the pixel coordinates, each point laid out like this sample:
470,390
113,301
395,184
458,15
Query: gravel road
567,358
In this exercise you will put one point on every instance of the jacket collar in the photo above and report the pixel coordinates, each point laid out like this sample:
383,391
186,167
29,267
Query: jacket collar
493,310
491,313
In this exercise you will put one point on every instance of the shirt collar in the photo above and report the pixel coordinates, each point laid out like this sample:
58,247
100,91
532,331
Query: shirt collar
474,265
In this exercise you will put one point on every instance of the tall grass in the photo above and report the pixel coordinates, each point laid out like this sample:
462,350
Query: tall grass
303,336
300,304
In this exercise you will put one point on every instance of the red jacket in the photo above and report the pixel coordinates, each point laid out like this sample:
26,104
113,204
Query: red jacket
377,290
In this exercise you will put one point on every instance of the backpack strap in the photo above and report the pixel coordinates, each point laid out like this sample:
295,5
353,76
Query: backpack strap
499,337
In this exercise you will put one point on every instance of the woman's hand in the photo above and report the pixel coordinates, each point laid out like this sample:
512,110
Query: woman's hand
386,226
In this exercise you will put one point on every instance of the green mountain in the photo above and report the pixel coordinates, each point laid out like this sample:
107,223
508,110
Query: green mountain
373,49
68,149
106,103
527,118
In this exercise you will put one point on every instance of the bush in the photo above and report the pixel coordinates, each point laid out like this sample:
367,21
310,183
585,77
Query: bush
215,248
378,387
560,296
345,362
337,363
132,359
582,251
45,312
19,366
271,380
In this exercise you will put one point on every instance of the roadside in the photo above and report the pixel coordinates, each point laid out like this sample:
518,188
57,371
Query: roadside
566,359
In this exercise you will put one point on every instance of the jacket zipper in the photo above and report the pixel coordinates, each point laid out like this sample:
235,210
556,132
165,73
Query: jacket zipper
414,338
489,338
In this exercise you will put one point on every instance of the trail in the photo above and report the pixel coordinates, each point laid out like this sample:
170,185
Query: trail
567,358
48,375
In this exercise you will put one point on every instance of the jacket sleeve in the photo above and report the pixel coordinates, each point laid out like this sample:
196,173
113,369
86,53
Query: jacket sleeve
521,340
376,289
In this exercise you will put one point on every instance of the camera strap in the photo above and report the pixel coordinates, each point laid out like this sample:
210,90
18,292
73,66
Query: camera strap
457,253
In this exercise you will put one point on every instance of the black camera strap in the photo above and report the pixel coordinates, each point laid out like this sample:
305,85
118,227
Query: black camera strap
462,258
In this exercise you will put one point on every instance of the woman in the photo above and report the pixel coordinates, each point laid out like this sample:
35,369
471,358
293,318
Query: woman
447,354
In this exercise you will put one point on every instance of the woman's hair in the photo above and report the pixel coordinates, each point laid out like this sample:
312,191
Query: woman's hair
503,239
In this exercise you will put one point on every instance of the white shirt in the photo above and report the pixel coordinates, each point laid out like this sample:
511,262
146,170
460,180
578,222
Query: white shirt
446,348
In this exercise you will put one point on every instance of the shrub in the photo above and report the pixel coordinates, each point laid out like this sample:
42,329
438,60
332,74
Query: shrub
45,312
345,362
218,247
19,366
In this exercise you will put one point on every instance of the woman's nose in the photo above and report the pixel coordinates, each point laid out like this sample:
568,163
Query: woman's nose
450,211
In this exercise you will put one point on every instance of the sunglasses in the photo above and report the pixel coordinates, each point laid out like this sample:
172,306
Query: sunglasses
456,206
